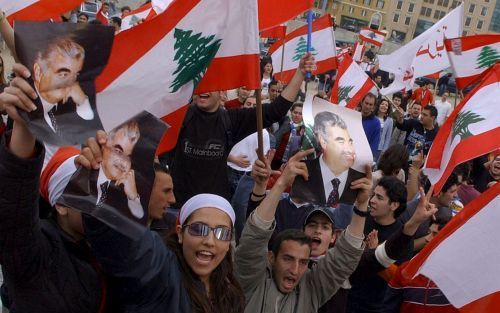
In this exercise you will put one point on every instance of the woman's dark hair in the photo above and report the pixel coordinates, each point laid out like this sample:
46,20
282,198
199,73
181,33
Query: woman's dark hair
226,294
392,159
388,107
295,105
263,63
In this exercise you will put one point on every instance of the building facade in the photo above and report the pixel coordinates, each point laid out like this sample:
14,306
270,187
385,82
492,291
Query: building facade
404,20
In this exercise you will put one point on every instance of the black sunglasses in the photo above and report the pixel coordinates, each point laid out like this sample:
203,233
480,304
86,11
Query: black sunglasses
202,230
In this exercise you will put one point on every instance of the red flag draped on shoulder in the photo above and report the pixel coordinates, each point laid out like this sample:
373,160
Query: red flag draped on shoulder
156,65
471,56
36,10
275,12
351,85
462,259
471,130
372,36
322,47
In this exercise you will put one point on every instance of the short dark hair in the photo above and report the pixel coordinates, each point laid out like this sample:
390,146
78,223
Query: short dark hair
432,110
396,192
369,95
450,182
397,95
158,167
295,105
83,14
116,20
125,8
464,170
273,83
442,218
292,235
95,22
395,157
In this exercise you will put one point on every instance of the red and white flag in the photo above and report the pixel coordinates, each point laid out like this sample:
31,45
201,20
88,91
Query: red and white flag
351,85
463,259
425,54
144,13
322,47
472,55
372,36
275,12
167,58
359,51
36,10
278,32
472,130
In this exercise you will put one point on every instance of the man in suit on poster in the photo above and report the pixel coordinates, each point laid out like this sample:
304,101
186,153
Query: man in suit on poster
330,175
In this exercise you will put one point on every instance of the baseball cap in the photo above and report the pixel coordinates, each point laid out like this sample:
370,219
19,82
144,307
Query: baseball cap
328,212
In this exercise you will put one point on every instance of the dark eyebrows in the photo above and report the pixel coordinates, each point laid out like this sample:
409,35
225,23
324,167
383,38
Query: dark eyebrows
63,70
118,147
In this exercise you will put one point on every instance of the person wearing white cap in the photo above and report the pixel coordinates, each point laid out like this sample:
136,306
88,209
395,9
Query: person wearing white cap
191,272
48,266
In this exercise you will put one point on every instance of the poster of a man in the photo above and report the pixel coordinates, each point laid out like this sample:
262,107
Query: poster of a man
64,61
118,192
339,133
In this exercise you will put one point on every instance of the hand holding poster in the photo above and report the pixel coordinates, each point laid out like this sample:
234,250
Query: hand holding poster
339,133
64,59
118,192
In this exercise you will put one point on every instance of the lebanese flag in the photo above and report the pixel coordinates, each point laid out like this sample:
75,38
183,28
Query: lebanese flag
36,10
100,16
472,55
275,12
425,54
351,85
322,47
359,51
472,130
275,32
144,13
463,257
372,36
166,60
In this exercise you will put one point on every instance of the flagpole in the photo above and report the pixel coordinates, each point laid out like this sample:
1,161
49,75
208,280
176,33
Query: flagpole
282,59
260,125
309,38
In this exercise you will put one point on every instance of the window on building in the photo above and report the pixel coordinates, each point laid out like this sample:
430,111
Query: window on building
411,7
428,12
454,4
440,2
431,1
445,3
479,24
422,10
442,14
343,7
380,4
367,2
472,6
407,20
363,12
395,19
467,21
426,0
399,5
436,14
484,11
464,33
351,10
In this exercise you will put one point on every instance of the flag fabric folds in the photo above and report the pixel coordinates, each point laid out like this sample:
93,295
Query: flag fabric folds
275,12
471,130
471,56
36,10
322,47
183,51
278,32
425,54
359,51
351,85
462,259
372,36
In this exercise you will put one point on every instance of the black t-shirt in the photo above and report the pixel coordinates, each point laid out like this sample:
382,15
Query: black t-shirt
415,132
200,156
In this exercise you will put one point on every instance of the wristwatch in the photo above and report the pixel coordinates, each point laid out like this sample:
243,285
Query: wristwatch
359,212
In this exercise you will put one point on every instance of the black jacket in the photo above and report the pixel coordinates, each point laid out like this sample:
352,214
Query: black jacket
45,269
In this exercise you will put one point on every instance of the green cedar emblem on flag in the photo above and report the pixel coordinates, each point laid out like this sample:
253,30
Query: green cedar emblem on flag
301,49
344,93
461,126
134,20
193,55
487,57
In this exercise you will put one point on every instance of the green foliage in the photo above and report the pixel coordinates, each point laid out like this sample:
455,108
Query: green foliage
193,55
461,126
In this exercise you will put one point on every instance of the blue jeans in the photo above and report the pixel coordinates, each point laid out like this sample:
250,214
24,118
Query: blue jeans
239,202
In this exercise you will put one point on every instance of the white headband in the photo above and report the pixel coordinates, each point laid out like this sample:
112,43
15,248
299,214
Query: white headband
206,200
60,179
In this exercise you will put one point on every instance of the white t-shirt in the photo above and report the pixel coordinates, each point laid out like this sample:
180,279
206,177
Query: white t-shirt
444,111
265,85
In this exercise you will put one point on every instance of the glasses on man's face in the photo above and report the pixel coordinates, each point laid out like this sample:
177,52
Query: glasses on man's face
202,230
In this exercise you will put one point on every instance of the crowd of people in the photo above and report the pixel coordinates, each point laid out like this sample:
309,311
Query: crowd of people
225,232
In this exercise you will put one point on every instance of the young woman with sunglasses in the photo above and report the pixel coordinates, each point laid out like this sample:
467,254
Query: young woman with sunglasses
191,272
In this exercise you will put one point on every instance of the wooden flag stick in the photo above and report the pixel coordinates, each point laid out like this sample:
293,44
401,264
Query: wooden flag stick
260,125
